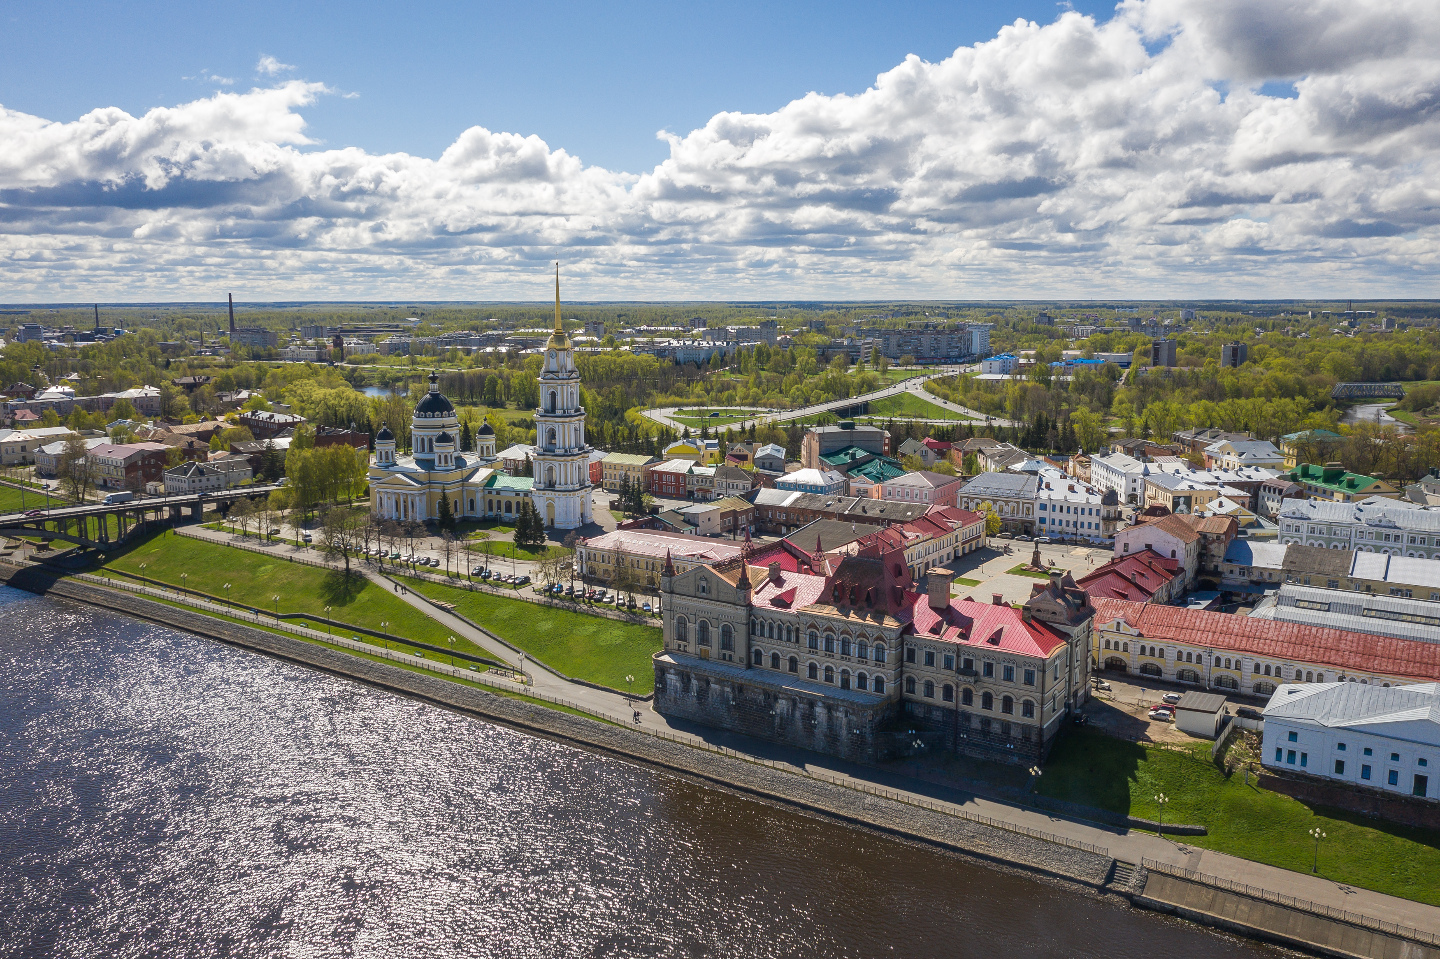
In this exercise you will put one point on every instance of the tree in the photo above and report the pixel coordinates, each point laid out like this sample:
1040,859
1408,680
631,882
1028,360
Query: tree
992,519
123,409
75,468
446,519
972,464
339,534
529,527
448,546
1089,429
242,512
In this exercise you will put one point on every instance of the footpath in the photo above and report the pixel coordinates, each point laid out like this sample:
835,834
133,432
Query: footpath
1155,871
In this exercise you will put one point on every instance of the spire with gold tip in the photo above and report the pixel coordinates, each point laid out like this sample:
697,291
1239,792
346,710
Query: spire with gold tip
558,339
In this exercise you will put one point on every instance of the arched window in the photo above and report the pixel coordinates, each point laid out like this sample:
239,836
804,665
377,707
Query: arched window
812,671
947,693
1126,648
774,660
702,586
756,657
754,629
550,402
910,685
727,637
929,689
1149,669
1027,709
880,652
967,696
987,701
1319,677
1107,644
1309,676
550,437
844,679
507,507
550,477
1226,682
862,651
829,643
813,641
770,631
682,630
794,665
1007,705
703,633
830,674
878,684
860,682
1267,669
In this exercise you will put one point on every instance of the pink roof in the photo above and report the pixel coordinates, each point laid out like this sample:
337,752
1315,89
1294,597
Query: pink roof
1337,648
938,446
984,626
788,591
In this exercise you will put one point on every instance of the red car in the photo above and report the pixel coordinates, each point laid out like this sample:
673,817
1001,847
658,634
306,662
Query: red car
34,512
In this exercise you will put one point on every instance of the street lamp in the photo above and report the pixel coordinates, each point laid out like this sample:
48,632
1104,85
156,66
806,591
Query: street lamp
1036,772
327,620
386,641
184,581
276,599
1317,835
1160,801
226,587
451,641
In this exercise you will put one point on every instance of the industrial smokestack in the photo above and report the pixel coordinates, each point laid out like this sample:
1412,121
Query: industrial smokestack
232,313
97,316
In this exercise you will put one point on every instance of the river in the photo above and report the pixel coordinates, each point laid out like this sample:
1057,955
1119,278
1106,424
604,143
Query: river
1375,414
165,795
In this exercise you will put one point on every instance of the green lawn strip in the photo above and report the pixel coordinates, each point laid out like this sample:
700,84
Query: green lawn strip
1404,416
911,406
256,577
592,648
14,500
968,582
1022,570
1093,769
507,549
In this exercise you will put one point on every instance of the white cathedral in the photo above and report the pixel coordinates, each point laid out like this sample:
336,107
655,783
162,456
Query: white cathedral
410,487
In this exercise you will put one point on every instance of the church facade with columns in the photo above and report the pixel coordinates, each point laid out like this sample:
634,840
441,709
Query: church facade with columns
409,487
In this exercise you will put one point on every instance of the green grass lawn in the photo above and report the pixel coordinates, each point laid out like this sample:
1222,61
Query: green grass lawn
11,499
586,647
967,582
910,406
1022,570
1091,768
702,417
254,578
507,549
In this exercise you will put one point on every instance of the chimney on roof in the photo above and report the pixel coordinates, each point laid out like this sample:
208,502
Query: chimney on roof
773,572
937,584
996,599
1055,578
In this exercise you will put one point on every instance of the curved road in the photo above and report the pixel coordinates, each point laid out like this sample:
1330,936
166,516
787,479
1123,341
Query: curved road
914,386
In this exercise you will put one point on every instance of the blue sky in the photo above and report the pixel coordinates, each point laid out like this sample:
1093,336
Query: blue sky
1154,148
597,79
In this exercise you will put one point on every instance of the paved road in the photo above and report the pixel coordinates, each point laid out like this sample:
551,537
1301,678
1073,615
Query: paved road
664,414
919,390
926,782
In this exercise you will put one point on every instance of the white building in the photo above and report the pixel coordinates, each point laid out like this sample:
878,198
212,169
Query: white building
1373,526
20,446
1233,454
562,458
196,477
1122,473
1374,737
1067,508
1005,364
823,482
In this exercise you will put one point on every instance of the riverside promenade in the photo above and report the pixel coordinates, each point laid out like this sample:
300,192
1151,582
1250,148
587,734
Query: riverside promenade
1133,847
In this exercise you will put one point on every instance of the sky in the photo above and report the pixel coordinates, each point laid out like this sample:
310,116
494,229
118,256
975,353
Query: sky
1012,149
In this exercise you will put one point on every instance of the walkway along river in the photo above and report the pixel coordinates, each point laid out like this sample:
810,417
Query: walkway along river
162,794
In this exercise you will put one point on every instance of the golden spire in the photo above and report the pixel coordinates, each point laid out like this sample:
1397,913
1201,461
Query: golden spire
559,329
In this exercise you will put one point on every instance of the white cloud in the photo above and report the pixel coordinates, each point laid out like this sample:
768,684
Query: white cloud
269,66
1132,157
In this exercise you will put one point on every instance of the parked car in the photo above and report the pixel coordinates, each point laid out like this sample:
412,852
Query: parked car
478,571
646,607
34,512
1162,715
1101,684
485,573
1248,712
1004,536
1022,538
1042,539
523,580
1171,698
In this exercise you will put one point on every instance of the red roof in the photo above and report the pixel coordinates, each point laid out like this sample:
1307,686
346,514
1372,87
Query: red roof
938,446
1340,649
983,626
1137,576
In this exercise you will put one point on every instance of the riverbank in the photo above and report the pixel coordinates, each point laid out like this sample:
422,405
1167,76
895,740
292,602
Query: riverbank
894,813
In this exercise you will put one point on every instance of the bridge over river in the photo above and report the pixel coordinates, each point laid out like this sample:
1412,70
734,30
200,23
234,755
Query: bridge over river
86,524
